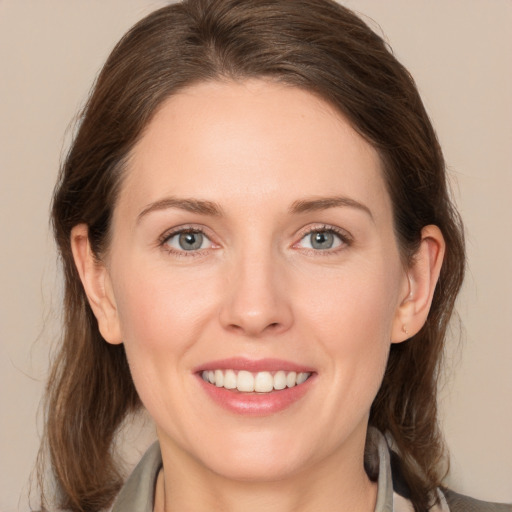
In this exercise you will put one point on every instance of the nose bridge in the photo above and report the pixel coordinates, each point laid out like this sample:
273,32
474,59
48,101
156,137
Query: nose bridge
255,300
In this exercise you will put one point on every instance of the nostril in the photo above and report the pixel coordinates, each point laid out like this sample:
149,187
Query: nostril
273,327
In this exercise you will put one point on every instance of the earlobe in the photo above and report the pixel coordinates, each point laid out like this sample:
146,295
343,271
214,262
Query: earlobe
422,277
96,283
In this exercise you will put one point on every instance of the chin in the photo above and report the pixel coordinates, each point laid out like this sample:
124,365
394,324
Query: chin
257,459
255,470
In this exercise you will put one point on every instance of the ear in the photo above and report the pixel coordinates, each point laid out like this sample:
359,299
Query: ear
422,276
97,285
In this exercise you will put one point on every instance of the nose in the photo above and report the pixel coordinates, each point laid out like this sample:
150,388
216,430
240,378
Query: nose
256,302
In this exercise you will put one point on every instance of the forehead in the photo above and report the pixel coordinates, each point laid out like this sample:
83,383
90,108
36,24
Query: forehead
253,140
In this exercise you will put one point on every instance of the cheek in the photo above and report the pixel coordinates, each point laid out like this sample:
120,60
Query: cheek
351,317
160,308
161,315
355,304
355,333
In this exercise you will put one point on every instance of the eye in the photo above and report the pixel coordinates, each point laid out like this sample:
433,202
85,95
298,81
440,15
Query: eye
187,240
322,240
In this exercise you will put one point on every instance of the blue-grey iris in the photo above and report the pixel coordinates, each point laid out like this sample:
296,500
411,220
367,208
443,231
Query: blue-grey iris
322,240
191,241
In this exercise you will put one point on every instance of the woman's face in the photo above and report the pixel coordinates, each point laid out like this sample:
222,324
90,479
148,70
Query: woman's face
253,239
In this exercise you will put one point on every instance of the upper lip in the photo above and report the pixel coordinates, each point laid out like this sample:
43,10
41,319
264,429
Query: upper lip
253,365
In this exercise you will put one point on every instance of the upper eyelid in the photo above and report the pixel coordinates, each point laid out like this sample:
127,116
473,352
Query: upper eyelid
343,233
186,228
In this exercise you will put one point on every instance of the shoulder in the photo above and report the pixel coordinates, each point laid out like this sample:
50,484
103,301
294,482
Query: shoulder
459,503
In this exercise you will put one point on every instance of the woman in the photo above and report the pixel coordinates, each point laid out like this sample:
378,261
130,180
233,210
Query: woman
260,249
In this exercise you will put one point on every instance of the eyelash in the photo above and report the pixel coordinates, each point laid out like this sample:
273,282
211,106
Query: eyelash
343,236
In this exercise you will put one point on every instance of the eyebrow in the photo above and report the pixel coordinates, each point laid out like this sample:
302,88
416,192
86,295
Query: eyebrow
190,205
324,203
211,208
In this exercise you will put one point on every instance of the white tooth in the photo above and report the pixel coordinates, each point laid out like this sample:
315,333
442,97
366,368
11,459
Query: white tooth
230,379
280,380
302,377
263,383
245,381
204,375
219,378
211,376
291,379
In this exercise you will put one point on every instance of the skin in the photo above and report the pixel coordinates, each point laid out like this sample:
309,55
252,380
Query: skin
256,289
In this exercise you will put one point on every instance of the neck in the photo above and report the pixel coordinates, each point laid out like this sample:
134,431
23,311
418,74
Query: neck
339,483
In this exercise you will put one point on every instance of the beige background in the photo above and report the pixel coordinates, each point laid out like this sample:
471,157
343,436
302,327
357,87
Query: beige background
459,51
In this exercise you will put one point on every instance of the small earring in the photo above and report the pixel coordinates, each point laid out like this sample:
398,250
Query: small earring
404,329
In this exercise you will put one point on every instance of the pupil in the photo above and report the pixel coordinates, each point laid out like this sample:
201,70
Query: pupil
322,240
191,241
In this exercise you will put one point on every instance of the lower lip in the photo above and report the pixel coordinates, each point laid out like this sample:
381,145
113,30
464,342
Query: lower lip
256,404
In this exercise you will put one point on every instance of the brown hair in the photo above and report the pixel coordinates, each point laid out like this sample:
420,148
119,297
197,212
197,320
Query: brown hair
316,45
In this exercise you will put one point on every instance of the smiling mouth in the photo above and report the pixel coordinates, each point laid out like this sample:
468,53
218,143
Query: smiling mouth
250,382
